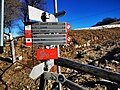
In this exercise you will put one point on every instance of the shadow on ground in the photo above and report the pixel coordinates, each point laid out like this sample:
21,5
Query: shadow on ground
6,59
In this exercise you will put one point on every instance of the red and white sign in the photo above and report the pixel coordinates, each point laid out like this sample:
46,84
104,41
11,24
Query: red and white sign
68,27
28,35
46,54
68,39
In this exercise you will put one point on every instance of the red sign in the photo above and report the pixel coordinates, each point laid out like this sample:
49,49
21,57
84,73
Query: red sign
68,27
46,54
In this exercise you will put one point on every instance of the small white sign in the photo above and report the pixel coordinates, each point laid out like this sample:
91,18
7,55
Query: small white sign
50,64
28,40
37,71
28,27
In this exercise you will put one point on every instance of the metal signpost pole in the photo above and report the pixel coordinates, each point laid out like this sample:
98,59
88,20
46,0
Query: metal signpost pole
58,67
55,9
1,21
12,47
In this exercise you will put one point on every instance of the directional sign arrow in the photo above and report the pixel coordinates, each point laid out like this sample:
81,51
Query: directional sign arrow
48,35
48,31
68,27
50,27
49,43
49,39
35,14
37,71
49,23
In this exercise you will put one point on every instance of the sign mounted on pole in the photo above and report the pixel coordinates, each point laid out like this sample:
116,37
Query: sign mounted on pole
68,27
46,54
38,33
35,14
28,35
37,71
50,39
50,27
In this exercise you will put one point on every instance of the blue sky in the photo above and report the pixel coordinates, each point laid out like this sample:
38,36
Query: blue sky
85,13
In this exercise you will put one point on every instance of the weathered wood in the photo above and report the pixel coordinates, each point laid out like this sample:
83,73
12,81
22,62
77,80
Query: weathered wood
115,77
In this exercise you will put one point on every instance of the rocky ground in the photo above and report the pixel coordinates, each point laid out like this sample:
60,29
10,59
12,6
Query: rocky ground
100,48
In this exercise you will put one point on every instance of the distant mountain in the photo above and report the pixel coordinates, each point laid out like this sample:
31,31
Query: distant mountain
117,22
111,25
107,21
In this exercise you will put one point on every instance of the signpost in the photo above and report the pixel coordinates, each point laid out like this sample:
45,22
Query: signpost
46,32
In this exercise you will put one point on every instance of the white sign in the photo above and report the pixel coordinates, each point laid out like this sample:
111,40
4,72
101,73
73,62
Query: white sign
37,71
50,64
35,14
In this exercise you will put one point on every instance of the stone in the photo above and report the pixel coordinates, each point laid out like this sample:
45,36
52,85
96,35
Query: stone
117,56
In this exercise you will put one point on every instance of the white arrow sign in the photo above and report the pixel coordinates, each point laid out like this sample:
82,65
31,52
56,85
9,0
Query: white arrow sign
37,71
35,14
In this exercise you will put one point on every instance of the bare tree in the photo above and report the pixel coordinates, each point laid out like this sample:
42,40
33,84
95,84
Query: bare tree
35,3
17,10
12,12
40,4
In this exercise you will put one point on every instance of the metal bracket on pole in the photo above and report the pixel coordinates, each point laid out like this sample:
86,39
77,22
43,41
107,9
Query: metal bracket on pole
60,78
55,77
60,14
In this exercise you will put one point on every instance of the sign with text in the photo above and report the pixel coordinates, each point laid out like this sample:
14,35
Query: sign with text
50,39
47,33
46,54
50,27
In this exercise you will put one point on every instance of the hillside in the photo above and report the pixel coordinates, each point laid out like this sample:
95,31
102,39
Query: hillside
100,48
117,22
